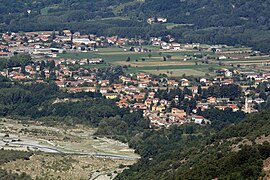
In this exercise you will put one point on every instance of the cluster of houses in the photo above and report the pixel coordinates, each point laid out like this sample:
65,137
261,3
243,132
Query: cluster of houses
133,91
170,44
49,43
139,91
61,71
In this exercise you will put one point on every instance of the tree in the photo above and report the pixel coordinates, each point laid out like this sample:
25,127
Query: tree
42,65
214,50
199,89
42,75
19,60
169,56
128,59
51,65
23,71
263,95
187,91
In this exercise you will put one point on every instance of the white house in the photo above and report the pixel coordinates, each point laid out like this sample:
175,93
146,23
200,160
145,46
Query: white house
228,73
162,20
198,119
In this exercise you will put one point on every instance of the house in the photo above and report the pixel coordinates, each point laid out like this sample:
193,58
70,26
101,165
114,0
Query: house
141,76
90,89
185,82
179,112
125,79
212,100
159,108
164,102
252,76
258,100
28,68
111,96
103,90
122,103
175,47
234,107
5,54
202,106
194,90
221,107
80,41
162,20
172,83
228,73
227,81
138,97
188,97
198,119
104,83
74,90
95,61
203,80
19,76
143,84
222,57
219,78
148,102
67,32
151,95
151,20
166,47
156,100
60,84
140,106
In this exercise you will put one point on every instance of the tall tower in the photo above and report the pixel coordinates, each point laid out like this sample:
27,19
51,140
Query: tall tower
247,109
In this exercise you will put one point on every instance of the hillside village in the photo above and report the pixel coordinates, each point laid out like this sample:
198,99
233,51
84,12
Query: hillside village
165,101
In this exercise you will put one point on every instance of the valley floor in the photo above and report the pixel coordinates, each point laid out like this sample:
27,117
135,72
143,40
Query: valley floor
63,151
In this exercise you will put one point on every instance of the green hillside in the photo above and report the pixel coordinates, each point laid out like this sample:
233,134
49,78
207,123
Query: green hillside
213,21
233,146
236,152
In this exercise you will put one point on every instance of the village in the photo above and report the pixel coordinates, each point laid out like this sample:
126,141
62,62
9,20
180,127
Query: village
164,100
49,43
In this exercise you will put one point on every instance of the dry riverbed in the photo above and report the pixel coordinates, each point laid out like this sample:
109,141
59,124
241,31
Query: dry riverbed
67,152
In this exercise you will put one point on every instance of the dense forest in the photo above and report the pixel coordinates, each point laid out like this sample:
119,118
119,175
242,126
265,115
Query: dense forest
234,22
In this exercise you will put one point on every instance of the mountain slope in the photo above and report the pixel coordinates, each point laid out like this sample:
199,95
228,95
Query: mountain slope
214,21
237,152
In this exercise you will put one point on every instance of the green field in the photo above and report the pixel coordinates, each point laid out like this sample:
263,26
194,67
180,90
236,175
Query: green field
173,25
154,63
45,10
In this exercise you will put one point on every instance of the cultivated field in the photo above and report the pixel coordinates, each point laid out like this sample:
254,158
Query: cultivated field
178,62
